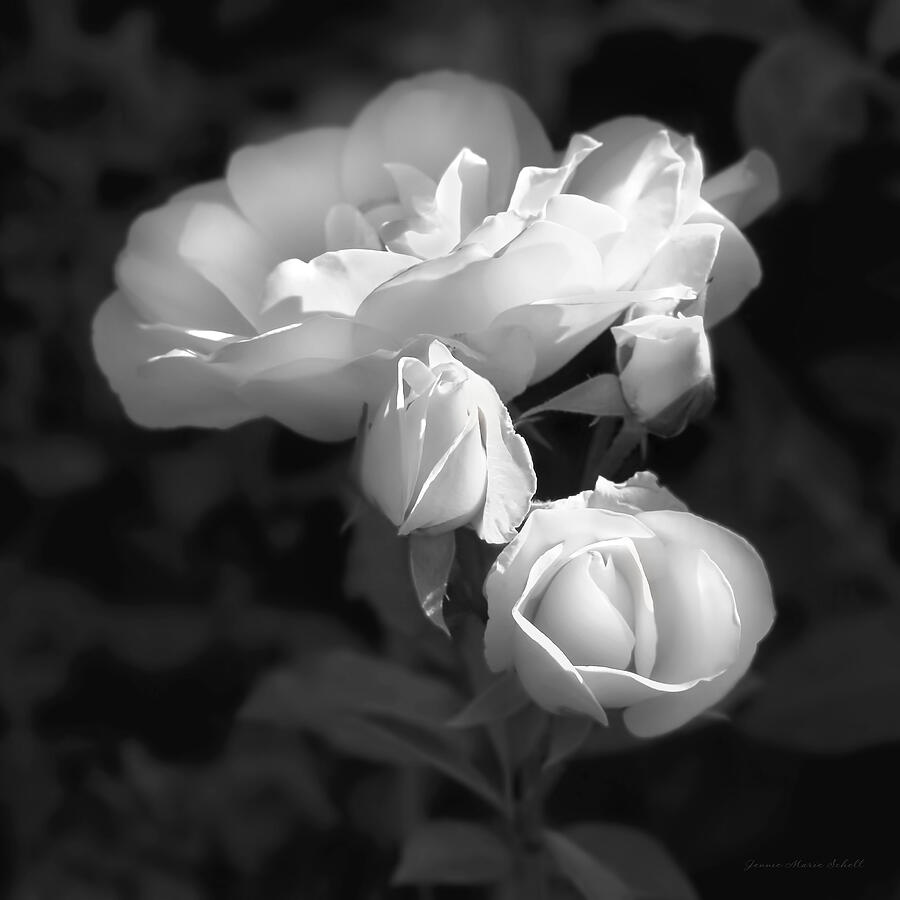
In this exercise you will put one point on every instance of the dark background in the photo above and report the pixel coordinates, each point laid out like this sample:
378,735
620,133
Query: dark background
147,579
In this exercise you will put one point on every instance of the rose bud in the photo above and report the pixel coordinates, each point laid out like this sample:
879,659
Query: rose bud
440,452
665,370
619,598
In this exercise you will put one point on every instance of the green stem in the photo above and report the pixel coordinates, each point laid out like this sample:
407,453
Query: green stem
605,457
529,825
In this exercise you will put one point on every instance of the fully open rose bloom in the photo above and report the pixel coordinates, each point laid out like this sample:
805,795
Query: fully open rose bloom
289,287
620,598
441,452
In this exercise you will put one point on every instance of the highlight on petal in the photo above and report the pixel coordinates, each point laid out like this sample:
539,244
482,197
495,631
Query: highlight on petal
536,186
443,213
544,261
511,480
333,283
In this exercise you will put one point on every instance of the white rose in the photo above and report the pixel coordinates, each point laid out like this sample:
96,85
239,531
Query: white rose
665,370
440,452
288,288
620,598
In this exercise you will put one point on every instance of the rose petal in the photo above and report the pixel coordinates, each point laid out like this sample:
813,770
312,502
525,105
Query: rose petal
286,187
545,261
223,247
544,670
561,328
511,480
169,393
346,227
581,619
736,271
454,488
567,523
686,258
698,626
333,282
161,286
425,121
745,190
747,577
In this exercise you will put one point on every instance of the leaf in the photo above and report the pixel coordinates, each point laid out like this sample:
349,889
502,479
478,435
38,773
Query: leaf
503,697
378,571
642,862
567,734
430,749
802,99
593,879
430,559
452,852
345,682
597,397
371,709
835,691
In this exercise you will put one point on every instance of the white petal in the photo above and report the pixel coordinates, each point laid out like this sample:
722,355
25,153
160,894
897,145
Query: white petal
565,522
161,286
221,245
736,270
425,121
287,186
454,490
745,190
699,630
752,590
333,282
582,620
171,392
511,481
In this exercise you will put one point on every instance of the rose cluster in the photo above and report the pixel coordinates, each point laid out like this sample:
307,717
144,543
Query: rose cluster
404,277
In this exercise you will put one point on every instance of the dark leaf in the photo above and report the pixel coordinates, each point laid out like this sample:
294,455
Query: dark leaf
430,559
452,852
344,682
835,691
592,878
378,571
643,864
596,397
503,697
567,735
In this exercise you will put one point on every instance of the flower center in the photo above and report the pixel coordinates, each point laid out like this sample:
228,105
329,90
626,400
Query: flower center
588,612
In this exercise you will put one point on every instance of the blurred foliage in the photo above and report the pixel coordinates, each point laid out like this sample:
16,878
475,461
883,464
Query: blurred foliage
151,582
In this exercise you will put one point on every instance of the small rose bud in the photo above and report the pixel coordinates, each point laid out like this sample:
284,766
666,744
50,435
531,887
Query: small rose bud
440,452
665,370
